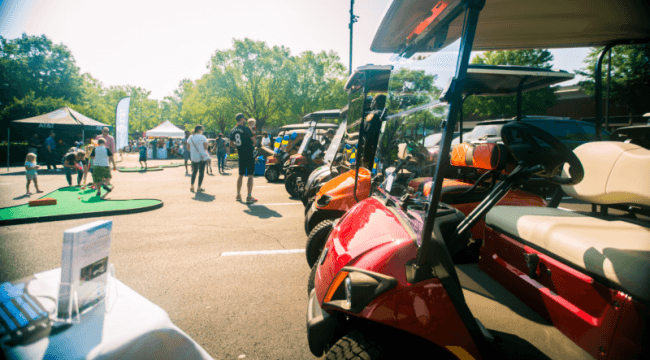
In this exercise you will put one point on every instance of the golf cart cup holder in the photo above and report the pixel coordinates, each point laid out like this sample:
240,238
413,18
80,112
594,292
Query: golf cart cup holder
535,148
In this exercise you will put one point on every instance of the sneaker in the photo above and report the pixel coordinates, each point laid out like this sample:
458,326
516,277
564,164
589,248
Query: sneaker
238,198
39,191
250,200
28,193
192,189
200,190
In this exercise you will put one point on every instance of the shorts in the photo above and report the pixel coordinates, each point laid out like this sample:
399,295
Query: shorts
186,155
31,176
100,173
246,162
143,158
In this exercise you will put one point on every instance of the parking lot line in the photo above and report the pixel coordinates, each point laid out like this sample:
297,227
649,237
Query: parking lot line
293,203
262,252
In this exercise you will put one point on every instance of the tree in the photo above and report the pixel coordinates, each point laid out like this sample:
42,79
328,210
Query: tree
630,77
172,106
252,78
34,63
316,83
536,101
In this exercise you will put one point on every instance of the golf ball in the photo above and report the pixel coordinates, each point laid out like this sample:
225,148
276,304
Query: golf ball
79,197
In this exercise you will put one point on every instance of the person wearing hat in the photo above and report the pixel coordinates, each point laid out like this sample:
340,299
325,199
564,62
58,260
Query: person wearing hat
242,137
329,136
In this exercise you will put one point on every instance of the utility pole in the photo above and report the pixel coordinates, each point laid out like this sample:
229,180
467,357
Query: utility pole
353,19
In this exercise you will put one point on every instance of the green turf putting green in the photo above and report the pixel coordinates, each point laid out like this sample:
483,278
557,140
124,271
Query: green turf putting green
137,169
74,203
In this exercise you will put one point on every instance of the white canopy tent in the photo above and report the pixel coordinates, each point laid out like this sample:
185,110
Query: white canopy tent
166,129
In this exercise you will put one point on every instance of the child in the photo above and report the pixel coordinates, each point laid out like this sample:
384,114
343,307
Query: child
101,172
30,171
88,163
208,162
73,162
143,154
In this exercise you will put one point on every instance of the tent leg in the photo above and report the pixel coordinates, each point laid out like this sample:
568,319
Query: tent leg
8,141
83,137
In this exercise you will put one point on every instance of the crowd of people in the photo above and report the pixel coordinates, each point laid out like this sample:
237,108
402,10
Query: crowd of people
96,157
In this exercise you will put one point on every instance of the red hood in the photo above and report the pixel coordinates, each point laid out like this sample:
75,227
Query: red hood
369,237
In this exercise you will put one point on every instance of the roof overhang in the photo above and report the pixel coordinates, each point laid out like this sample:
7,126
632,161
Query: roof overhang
491,80
373,77
516,24
323,114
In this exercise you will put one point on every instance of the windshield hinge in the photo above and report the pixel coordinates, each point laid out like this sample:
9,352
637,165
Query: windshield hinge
453,86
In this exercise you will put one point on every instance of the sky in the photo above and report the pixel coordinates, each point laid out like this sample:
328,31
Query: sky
156,44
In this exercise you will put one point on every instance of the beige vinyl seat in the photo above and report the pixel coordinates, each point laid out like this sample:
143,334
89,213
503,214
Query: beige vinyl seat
613,249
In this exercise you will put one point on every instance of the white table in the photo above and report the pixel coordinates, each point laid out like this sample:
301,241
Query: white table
134,328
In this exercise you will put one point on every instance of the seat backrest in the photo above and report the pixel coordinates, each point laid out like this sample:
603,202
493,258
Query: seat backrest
615,173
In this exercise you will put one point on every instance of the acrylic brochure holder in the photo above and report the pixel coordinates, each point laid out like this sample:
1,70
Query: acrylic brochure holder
67,307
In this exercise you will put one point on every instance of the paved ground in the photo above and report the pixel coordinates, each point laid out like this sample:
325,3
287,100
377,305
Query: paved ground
231,305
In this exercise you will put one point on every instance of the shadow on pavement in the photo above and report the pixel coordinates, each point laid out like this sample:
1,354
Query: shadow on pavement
201,196
22,196
262,212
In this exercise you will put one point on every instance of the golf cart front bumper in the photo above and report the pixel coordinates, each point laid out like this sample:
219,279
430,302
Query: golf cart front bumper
321,326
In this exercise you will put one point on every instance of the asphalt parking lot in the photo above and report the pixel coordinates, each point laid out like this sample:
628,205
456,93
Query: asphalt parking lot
190,256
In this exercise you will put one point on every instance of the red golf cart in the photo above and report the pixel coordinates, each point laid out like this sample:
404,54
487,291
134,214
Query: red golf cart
549,283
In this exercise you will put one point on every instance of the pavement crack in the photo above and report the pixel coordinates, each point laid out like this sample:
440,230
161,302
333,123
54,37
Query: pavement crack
181,276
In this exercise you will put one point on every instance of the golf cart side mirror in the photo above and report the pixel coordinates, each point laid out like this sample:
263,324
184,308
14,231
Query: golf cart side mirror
402,151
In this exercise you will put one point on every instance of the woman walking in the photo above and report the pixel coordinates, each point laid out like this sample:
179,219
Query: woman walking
199,155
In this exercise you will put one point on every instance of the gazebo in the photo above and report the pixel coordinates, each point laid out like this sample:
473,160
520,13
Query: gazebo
166,129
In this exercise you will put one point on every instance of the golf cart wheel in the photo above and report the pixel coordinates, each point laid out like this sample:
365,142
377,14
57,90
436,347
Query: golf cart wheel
312,279
316,241
272,174
290,183
355,346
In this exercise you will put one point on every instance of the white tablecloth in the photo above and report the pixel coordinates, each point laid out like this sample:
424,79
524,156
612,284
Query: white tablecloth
134,328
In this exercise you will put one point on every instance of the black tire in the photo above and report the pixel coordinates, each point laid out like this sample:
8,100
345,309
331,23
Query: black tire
290,183
316,240
272,174
312,279
356,346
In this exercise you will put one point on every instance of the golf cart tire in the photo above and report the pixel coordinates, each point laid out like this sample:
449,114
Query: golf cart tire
355,346
311,284
290,183
272,174
316,241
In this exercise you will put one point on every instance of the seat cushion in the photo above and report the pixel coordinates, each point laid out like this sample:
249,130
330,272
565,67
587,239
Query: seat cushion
611,249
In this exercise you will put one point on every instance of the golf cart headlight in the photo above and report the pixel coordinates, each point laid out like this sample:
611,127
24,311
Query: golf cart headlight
348,291
324,200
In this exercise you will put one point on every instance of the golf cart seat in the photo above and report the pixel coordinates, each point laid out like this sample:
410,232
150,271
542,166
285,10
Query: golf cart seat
614,249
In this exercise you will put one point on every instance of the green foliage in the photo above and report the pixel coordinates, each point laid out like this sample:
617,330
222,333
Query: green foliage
630,76
533,102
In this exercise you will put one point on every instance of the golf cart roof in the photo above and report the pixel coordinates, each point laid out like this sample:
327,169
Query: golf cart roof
493,80
408,26
323,114
374,77
307,126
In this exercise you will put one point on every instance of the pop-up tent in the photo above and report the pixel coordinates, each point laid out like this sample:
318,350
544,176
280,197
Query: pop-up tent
166,129
62,119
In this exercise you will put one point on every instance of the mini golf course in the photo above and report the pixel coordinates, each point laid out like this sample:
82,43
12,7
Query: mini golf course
150,168
74,203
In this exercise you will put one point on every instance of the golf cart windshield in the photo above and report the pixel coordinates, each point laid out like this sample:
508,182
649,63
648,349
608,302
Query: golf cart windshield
312,132
414,110
331,152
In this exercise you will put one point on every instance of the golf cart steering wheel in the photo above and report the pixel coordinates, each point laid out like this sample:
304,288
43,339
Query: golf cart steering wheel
530,145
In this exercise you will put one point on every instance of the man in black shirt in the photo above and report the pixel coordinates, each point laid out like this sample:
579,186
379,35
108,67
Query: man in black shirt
372,130
242,137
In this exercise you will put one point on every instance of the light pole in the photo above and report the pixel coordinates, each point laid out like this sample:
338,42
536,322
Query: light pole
353,19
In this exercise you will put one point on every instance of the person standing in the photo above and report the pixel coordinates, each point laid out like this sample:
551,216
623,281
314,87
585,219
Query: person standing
31,169
50,155
186,150
266,141
35,145
110,144
198,155
242,137
143,154
101,156
221,153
